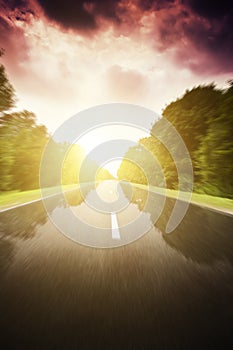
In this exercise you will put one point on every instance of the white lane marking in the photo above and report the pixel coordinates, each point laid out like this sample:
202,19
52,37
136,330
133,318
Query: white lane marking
115,227
35,200
26,203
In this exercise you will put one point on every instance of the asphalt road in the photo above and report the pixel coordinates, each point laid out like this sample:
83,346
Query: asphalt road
140,288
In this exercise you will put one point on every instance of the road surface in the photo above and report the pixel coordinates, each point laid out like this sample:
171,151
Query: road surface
148,290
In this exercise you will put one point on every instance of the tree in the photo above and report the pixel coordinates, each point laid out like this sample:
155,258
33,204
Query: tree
22,142
7,101
214,157
7,94
203,118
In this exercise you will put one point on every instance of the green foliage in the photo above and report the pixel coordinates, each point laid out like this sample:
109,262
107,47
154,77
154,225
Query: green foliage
190,115
7,96
214,157
129,171
22,143
203,118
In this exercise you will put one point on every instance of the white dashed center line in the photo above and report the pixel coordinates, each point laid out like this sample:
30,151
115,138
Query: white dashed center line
115,227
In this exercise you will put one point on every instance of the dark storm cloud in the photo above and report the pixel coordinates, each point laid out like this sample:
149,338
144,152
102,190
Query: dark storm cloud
208,26
69,14
12,4
218,33
78,14
211,9
200,32
218,38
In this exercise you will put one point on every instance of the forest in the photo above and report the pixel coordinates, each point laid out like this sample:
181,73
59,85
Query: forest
203,117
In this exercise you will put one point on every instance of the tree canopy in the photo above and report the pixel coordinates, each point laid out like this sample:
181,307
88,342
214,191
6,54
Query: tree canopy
7,93
203,117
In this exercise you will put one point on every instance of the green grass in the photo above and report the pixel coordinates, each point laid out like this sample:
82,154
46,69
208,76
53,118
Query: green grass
13,198
205,200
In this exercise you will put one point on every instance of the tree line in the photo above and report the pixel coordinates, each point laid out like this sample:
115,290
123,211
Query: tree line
22,143
203,117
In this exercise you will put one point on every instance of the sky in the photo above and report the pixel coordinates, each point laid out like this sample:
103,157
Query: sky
63,57
66,56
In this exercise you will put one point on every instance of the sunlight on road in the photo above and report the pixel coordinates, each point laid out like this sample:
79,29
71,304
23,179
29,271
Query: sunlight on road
107,191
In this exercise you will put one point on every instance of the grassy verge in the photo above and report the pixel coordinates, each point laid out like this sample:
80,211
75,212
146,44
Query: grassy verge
14,198
224,204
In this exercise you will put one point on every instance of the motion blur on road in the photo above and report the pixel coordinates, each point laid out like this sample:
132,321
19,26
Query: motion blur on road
103,283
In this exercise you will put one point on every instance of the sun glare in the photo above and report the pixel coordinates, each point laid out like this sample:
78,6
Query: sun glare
104,134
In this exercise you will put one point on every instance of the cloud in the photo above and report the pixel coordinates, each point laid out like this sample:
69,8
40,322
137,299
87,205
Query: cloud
195,34
126,85
12,40
212,31
69,14
211,9
80,15
143,52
